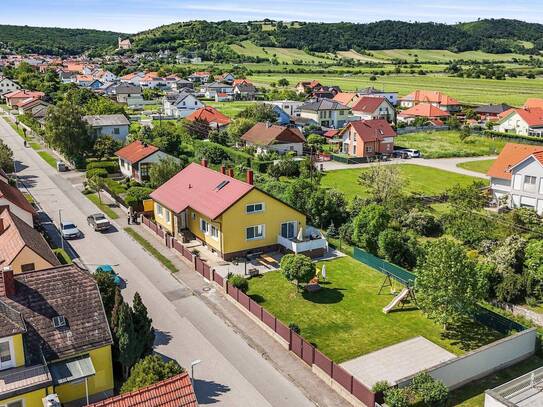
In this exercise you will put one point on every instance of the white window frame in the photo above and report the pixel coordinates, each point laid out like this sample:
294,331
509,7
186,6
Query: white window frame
204,226
11,363
247,211
12,402
214,232
168,217
262,237
159,211
295,228
532,187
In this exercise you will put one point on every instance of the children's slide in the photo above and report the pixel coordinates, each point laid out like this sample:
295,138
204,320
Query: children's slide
404,293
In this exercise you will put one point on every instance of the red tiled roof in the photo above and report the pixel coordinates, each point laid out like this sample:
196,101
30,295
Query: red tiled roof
431,96
533,116
424,110
196,187
264,134
345,97
209,114
176,391
372,130
241,81
24,94
532,103
512,154
201,73
15,196
136,151
368,104
331,133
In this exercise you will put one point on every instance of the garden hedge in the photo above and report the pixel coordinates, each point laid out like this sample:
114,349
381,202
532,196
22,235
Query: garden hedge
111,166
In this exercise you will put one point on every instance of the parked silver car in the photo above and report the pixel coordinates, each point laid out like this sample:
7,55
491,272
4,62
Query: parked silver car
69,230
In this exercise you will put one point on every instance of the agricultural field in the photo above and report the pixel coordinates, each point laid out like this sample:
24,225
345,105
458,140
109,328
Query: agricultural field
287,55
481,166
348,310
230,109
513,91
418,180
352,54
445,144
436,55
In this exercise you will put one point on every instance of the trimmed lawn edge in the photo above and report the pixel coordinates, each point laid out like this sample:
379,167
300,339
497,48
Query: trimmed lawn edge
48,158
151,249
103,207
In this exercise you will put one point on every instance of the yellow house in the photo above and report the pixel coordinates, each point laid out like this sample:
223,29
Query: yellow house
22,247
55,341
231,217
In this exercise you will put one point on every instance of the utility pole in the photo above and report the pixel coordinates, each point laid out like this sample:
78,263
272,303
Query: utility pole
60,228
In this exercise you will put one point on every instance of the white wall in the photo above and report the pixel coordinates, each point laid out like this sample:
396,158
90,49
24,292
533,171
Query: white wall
492,402
515,124
534,197
110,131
282,148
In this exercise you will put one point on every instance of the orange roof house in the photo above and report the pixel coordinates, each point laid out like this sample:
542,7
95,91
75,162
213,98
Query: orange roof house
13,98
523,121
366,138
18,204
425,110
347,98
533,103
211,115
435,98
511,155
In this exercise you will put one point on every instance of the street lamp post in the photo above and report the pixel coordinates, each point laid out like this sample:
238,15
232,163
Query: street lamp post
194,363
60,227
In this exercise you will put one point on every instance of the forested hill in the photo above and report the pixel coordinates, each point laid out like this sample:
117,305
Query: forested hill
55,41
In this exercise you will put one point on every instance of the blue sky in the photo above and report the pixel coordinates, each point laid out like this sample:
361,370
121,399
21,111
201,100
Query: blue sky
135,15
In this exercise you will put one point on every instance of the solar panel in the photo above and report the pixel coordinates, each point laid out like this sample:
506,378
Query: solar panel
222,185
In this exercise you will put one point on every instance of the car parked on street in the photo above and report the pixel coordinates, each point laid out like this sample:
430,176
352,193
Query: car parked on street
68,230
98,222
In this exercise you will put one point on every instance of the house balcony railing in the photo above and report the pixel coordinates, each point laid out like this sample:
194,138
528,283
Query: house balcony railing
312,239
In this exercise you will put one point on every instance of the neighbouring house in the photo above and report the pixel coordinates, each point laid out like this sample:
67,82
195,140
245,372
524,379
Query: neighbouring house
283,118
347,98
129,94
7,85
232,218
210,90
177,391
307,86
533,103
392,97
152,80
17,96
87,81
11,197
424,110
325,92
182,84
31,106
114,125
523,121
180,104
370,108
103,75
55,339
491,112
66,76
212,116
516,177
22,247
136,158
226,77
291,107
244,91
267,137
435,98
199,77
367,138
326,112
123,44
133,78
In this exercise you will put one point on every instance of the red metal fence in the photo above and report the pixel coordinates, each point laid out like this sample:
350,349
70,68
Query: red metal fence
297,344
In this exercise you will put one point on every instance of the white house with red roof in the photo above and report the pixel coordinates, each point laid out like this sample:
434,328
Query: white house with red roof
367,138
524,121
516,177
212,116
371,108
136,158
200,77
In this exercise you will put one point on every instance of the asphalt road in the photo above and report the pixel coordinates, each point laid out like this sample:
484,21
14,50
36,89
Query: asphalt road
231,372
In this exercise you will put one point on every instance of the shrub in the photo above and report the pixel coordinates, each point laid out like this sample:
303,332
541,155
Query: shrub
110,166
422,223
135,195
432,392
240,282
212,152
380,386
298,268
96,172
395,397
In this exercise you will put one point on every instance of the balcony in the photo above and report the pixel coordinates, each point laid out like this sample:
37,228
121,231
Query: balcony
310,240
23,379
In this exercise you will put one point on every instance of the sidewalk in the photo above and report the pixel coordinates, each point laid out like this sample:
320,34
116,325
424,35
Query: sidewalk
283,361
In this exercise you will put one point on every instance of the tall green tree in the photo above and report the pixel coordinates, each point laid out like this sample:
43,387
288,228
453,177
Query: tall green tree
6,157
368,225
383,182
128,343
165,169
105,146
151,369
108,290
143,325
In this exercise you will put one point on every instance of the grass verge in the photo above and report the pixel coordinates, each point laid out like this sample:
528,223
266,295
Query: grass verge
62,256
102,206
481,166
48,158
151,249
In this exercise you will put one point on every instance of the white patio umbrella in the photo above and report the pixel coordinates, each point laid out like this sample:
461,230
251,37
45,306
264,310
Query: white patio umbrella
323,272
300,236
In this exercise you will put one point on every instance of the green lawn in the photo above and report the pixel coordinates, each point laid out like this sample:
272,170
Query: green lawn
420,180
478,166
102,206
444,144
473,394
513,91
35,146
150,248
345,319
48,158
437,55
230,109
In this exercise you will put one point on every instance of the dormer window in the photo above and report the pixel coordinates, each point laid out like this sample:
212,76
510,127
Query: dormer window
59,321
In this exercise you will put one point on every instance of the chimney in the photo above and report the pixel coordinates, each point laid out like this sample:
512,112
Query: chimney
204,162
2,227
223,169
9,282
231,172
268,124
250,177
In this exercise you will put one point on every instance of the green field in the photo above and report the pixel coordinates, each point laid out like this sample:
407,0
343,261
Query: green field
230,109
513,91
345,319
481,166
436,55
287,55
418,179
443,144
352,54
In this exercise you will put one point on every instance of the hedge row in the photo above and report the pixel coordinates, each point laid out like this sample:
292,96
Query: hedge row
111,166
513,136
238,157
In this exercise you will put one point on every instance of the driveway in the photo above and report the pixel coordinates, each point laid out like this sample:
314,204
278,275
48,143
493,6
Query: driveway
232,372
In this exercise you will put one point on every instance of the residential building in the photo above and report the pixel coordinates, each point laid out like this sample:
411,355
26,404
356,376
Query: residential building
129,94
231,217
533,103
17,96
54,338
516,177
124,44
267,138
435,98
87,81
199,77
211,90
133,78
291,107
491,112
283,118
392,97
523,121
177,391
424,110
523,391
152,80
367,138
212,116
244,91
370,108
326,112
22,247
7,85
180,104
347,98
66,76
114,125
103,75
136,158
31,105
11,197
182,85
226,77
324,92
307,86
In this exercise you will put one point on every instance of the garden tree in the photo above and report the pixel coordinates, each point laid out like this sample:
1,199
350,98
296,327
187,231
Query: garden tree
150,370
471,227
420,122
108,290
212,152
197,129
96,182
533,259
297,268
103,105
297,193
384,183
315,141
240,282
368,224
285,167
136,195
105,146
526,221
470,196
114,320
168,137
219,137
143,326
308,171
128,343
398,247
432,392
66,131
259,112
422,222
326,206
79,96
163,170
6,158
283,82
453,123
448,283
238,127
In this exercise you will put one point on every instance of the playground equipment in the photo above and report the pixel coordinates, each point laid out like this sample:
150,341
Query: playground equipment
399,298
405,295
